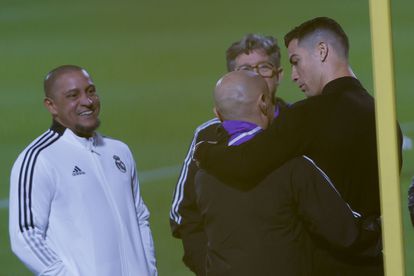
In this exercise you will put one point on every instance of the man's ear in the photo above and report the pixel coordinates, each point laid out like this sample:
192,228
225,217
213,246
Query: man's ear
323,50
50,105
263,106
218,115
279,75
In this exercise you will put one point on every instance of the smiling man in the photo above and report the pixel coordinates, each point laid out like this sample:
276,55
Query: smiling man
72,100
75,204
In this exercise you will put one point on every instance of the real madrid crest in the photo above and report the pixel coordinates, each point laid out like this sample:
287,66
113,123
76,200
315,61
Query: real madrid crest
119,164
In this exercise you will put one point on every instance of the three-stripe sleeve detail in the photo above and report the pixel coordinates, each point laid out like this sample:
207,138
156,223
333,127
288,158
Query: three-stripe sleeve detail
26,178
35,241
179,189
32,236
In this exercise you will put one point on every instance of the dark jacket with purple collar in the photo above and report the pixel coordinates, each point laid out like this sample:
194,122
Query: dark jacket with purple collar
269,229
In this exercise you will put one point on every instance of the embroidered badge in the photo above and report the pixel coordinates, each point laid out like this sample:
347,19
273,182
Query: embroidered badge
119,164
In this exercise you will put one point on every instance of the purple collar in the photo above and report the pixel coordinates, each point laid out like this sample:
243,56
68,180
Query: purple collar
242,131
277,111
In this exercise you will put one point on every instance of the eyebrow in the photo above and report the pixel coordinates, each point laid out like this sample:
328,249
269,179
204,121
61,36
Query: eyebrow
77,89
90,86
70,91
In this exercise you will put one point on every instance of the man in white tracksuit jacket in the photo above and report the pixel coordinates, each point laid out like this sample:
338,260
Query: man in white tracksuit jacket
75,204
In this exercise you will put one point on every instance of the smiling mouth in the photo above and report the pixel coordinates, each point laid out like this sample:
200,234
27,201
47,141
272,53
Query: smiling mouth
86,113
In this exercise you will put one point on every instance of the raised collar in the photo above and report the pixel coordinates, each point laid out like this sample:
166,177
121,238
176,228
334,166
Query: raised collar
57,127
240,131
70,136
342,84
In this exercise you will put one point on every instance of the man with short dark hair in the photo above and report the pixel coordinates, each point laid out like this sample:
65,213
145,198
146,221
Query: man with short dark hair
75,204
253,52
335,126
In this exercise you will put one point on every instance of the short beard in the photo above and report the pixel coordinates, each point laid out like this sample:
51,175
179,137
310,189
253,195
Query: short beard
87,131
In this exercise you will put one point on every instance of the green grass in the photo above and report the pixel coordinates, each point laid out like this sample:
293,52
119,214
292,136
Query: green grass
155,64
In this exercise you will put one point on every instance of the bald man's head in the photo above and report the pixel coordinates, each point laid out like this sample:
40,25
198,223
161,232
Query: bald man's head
54,75
242,95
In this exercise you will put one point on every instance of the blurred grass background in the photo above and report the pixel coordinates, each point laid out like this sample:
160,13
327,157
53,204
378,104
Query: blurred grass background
155,64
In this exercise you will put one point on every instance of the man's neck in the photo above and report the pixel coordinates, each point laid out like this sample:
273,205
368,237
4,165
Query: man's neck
337,70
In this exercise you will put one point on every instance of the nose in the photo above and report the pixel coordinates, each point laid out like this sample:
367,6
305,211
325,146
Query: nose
86,100
294,75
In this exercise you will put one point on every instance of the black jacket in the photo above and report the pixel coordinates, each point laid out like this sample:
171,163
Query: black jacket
267,230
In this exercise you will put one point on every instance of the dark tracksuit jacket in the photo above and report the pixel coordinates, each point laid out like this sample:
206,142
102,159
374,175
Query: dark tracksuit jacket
267,230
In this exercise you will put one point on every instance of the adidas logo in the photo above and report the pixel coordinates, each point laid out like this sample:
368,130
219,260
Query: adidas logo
77,171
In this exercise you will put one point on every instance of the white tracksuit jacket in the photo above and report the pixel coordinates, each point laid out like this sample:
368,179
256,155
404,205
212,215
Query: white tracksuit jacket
76,209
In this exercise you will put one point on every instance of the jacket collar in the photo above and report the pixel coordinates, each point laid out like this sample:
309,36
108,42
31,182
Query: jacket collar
71,137
342,84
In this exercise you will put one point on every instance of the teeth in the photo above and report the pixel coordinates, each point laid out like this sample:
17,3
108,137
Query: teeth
86,113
